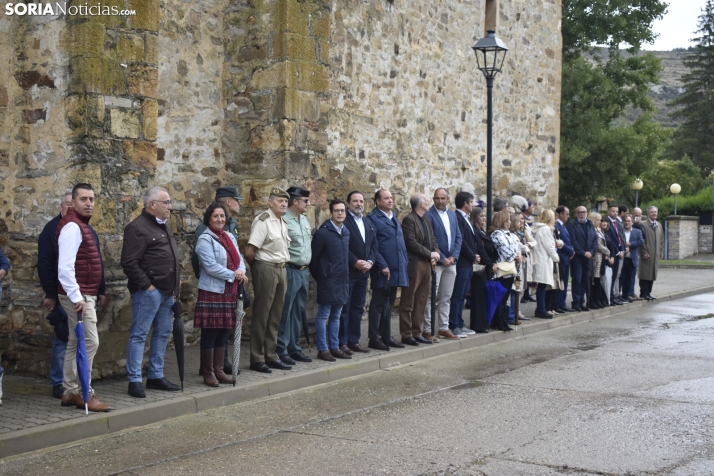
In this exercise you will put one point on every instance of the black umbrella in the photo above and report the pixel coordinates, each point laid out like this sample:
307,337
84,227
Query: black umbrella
433,300
385,323
178,338
306,329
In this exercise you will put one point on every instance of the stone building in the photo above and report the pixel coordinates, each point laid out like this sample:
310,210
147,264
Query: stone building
333,95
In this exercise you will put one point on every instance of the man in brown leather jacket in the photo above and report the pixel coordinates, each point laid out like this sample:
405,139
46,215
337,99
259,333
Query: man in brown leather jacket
423,253
150,260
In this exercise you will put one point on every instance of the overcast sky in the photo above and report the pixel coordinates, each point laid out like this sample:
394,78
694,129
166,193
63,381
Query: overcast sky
677,26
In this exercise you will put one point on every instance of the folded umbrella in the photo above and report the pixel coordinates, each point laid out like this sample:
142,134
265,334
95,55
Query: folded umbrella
494,294
385,323
178,334
82,362
605,281
433,300
240,314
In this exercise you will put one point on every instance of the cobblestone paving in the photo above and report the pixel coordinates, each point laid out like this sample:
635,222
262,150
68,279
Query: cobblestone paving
27,402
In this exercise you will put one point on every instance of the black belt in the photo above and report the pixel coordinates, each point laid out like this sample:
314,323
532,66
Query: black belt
296,266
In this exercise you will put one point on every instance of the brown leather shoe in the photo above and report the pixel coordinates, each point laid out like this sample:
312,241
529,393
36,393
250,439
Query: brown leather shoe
428,336
94,405
339,354
72,401
447,334
346,350
325,355
357,348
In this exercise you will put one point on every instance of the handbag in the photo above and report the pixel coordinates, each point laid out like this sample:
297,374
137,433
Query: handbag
478,267
506,268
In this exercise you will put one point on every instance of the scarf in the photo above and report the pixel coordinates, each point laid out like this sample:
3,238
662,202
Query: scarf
233,256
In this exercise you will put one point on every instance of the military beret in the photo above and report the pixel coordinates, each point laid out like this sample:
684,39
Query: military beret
279,193
228,192
299,192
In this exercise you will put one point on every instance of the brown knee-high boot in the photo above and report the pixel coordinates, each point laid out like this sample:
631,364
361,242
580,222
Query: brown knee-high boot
207,358
218,354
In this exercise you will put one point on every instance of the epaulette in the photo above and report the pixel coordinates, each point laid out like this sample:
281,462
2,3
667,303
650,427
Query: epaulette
264,216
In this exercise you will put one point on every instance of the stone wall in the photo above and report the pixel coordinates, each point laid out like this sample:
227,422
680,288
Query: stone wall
682,236
706,239
332,95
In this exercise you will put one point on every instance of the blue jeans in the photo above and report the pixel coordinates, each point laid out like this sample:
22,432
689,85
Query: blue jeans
580,270
57,366
629,272
540,298
327,322
461,284
149,308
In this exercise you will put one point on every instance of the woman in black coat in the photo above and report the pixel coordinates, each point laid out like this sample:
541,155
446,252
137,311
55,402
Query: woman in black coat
487,251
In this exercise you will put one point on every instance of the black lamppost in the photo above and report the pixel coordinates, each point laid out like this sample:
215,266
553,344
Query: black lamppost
490,54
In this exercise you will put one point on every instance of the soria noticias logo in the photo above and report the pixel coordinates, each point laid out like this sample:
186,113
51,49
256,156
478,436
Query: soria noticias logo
61,8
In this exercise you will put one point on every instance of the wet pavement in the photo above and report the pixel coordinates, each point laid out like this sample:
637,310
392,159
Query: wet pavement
631,394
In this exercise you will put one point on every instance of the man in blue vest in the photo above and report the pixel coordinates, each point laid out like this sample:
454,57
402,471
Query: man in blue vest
390,270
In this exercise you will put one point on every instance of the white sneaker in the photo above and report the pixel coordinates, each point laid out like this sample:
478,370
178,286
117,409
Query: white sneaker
459,333
467,331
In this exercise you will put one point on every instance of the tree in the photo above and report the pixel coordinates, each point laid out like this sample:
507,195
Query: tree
695,137
599,156
658,179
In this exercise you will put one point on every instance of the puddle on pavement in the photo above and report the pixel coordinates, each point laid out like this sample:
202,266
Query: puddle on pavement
697,318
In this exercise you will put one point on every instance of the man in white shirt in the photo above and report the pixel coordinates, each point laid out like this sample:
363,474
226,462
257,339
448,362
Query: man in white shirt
80,272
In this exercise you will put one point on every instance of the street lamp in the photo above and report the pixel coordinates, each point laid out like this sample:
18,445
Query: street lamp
637,186
490,54
675,189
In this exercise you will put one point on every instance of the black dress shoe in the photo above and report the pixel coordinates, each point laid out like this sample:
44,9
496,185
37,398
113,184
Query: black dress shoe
136,390
543,315
409,341
577,309
339,354
377,344
286,360
531,299
300,357
421,340
394,343
277,364
161,384
260,367
524,301
481,331
585,309
651,297
565,309
57,391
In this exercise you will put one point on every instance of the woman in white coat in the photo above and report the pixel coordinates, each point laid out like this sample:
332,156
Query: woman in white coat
545,256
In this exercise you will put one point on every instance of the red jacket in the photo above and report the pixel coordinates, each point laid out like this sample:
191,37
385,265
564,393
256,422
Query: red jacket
88,268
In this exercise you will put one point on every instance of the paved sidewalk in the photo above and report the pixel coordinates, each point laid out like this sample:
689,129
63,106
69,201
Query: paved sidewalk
31,419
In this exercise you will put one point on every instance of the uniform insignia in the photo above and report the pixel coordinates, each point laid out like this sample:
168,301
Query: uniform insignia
263,216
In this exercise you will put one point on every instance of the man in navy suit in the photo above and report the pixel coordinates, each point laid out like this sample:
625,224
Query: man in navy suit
584,240
618,240
565,253
362,256
390,271
448,238
634,239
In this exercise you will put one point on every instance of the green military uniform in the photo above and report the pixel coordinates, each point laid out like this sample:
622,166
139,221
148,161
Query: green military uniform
298,284
269,234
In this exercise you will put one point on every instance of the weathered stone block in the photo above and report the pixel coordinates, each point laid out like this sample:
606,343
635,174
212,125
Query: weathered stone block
150,116
140,153
278,75
292,17
313,77
124,123
320,26
151,48
130,47
3,96
96,75
147,15
294,104
294,46
144,80
84,38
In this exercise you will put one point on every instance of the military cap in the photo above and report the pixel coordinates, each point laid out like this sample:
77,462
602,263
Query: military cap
299,192
275,191
228,192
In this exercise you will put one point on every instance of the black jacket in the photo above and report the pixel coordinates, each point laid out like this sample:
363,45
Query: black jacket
329,264
361,250
469,249
486,249
583,237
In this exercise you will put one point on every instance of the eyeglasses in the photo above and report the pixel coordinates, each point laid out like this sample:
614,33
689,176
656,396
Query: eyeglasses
165,202
339,211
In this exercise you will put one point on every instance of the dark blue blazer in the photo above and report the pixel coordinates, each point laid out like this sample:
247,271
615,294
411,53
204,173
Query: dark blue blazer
469,248
47,259
330,254
440,234
391,251
361,250
4,262
567,250
583,237
636,241
615,229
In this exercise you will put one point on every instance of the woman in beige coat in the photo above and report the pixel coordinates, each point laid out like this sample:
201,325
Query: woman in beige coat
544,256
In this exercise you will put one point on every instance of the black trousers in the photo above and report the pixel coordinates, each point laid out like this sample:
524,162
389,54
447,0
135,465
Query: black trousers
645,287
479,318
376,305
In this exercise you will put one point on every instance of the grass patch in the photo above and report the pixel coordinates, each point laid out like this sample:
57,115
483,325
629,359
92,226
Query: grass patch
686,262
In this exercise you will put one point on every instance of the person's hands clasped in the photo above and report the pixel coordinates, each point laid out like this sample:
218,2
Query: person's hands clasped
434,257
241,278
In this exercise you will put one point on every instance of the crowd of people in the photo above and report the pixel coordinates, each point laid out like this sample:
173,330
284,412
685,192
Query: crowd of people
348,252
